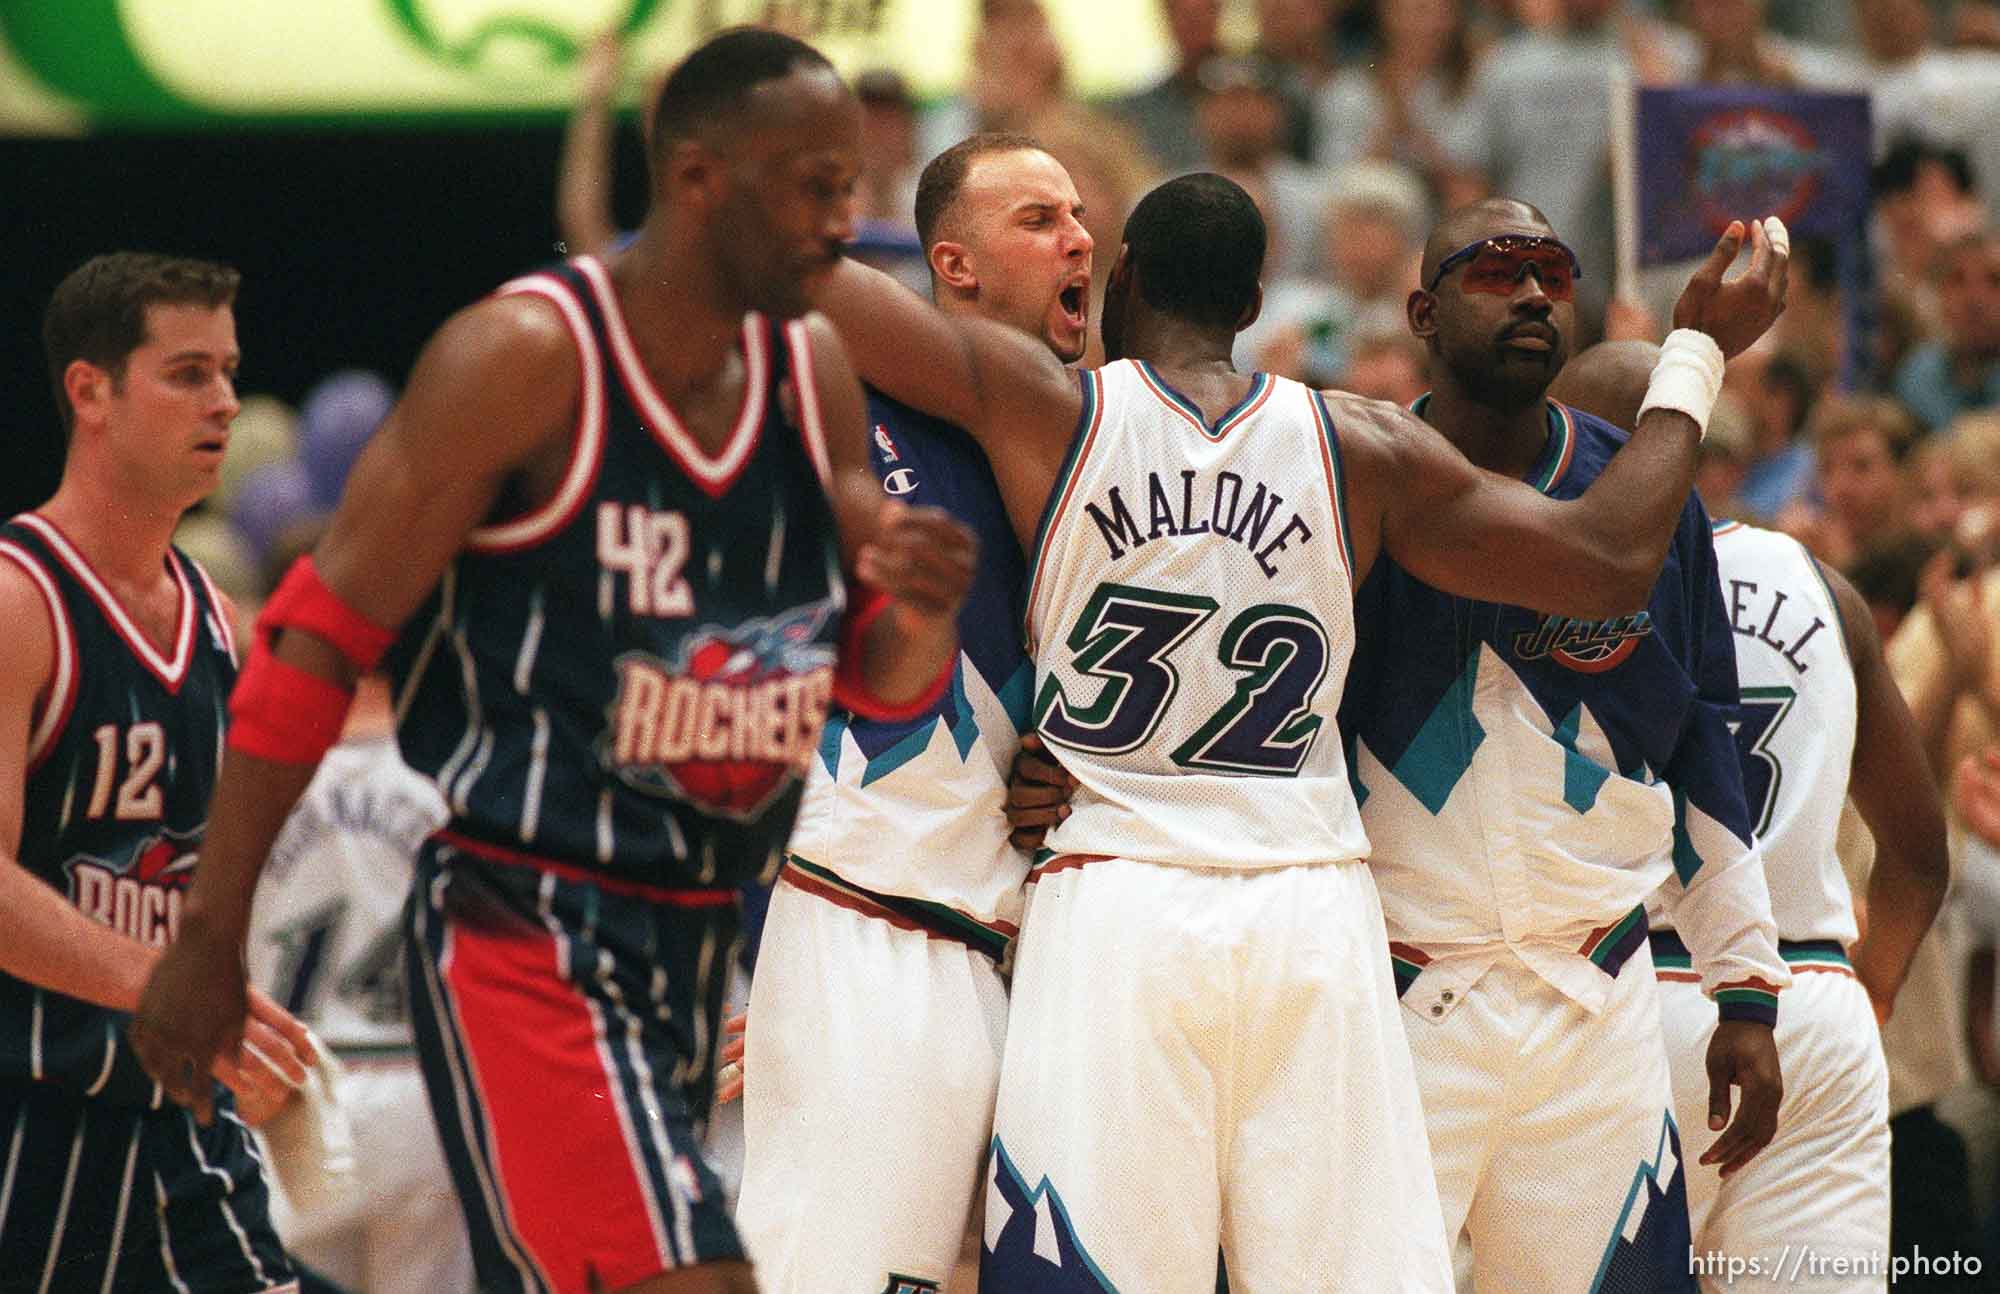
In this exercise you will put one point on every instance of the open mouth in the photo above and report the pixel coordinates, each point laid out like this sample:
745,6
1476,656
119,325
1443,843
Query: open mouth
1074,300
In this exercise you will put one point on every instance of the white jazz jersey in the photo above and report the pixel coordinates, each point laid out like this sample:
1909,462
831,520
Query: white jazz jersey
326,936
1191,614
1796,729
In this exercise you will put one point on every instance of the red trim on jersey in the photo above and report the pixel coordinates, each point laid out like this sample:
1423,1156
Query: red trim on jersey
576,1186
713,473
225,631
587,449
1677,976
855,903
811,429
63,682
169,672
587,876
1066,863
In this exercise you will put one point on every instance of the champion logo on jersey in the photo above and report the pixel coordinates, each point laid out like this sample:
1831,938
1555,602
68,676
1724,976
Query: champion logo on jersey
1586,646
732,720
141,899
900,482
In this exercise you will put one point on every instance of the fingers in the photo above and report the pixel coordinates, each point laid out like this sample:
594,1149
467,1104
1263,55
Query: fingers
1745,1055
728,1084
920,557
1722,257
1779,242
1027,839
265,1047
265,1010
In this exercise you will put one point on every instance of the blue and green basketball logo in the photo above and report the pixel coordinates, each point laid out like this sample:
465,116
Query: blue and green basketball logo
506,39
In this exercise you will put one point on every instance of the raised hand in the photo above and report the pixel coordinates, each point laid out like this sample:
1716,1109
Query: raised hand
1976,791
1739,311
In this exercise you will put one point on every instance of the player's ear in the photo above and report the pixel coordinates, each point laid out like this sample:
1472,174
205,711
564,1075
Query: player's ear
87,386
1421,310
952,264
1252,310
690,169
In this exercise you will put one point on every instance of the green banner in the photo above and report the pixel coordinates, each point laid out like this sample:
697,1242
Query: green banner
68,65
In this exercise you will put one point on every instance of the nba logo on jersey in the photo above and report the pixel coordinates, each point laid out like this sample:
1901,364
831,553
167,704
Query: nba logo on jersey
141,900
732,720
886,445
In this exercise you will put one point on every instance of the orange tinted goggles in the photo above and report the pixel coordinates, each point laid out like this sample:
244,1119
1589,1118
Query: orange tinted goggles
1496,265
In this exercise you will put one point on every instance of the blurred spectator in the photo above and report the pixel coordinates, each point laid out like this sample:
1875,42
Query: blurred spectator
889,164
336,419
1164,113
1538,117
1111,172
1296,36
583,181
1934,499
1948,648
1777,393
1734,46
1723,457
1924,201
1959,372
1859,444
1015,75
1370,243
1954,471
1887,574
1392,366
1949,97
1240,121
1408,104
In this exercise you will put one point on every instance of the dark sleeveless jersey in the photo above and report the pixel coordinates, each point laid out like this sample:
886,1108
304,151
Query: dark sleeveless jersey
632,678
122,760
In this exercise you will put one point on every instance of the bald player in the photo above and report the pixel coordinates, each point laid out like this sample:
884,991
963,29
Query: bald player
1203,1046
599,548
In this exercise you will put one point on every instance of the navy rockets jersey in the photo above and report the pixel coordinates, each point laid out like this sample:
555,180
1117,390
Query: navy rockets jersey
632,678
122,759
914,807
1575,758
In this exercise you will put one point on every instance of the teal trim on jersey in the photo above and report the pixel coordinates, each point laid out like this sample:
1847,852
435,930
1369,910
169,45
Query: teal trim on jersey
1648,1171
1017,695
1553,464
1443,748
1813,956
1746,1004
1583,777
913,744
1687,860
935,918
1405,971
1093,398
1221,427
1672,961
830,734
1615,936
1339,483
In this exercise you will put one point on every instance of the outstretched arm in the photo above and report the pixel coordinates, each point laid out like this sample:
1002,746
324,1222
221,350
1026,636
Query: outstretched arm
583,182
494,387
1891,784
1006,389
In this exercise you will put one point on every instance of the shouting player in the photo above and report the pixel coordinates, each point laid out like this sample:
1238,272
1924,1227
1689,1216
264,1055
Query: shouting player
604,531
1201,1004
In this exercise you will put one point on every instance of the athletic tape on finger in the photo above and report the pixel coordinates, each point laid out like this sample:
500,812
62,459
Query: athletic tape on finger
1780,238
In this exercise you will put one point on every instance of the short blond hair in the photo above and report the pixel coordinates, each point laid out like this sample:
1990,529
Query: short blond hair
1972,448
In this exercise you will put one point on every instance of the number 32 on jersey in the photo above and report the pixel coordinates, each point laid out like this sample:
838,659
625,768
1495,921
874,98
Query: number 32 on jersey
1129,638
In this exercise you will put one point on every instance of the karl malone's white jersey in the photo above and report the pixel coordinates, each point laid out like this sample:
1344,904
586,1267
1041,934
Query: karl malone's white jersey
1795,730
326,937
1191,615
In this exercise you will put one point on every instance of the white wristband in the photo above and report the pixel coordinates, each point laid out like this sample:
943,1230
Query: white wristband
1688,377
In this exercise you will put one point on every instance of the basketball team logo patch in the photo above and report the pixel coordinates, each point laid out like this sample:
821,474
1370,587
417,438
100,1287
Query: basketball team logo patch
1586,646
901,1284
732,720
141,899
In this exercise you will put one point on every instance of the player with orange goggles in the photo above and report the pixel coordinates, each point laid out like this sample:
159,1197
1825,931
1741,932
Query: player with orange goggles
1496,265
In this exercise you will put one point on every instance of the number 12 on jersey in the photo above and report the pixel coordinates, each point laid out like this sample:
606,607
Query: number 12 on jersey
1128,637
